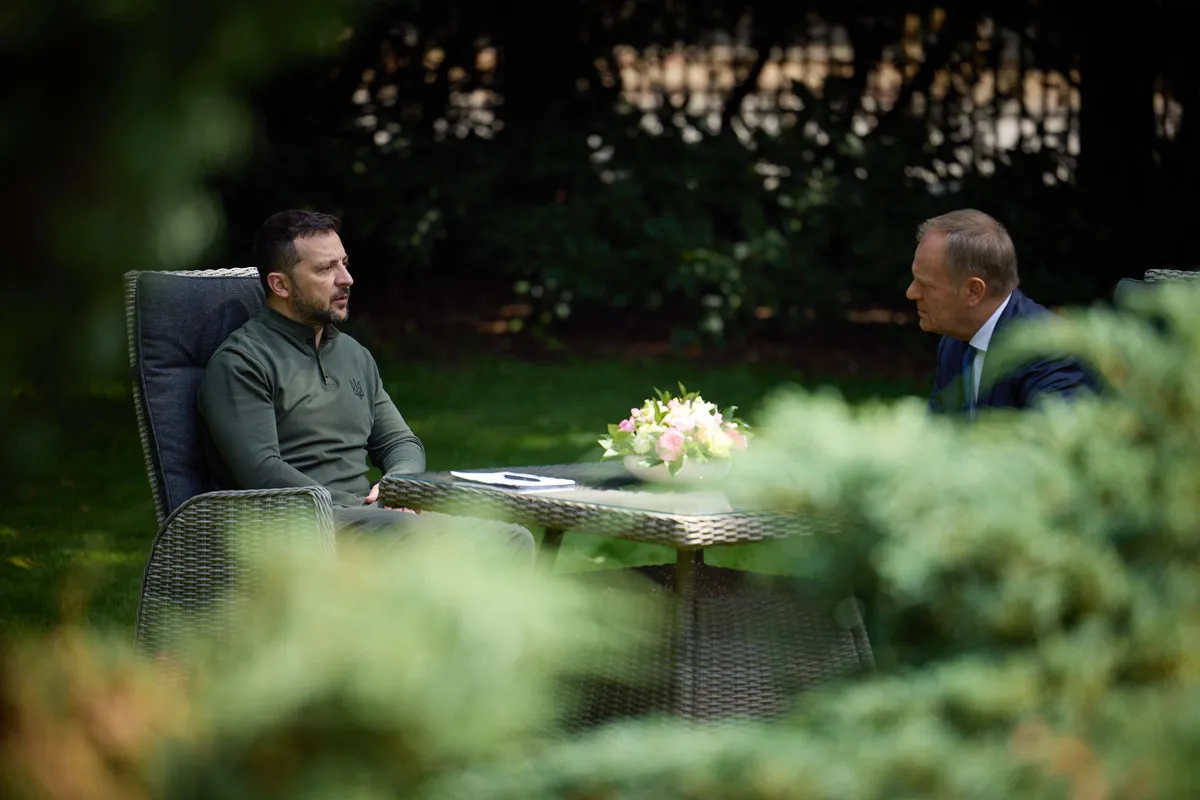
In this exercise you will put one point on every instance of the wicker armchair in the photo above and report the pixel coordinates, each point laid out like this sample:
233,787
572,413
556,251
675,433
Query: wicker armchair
175,321
1131,287
1153,275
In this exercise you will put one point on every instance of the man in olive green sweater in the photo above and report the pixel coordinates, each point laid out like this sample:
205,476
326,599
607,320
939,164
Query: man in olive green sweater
288,400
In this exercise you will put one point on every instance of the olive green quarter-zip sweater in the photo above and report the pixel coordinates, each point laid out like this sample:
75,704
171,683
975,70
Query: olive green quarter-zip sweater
278,411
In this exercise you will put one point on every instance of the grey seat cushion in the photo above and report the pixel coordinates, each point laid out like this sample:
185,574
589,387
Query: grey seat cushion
180,322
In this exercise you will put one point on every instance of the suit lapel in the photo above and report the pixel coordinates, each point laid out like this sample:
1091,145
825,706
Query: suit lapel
988,383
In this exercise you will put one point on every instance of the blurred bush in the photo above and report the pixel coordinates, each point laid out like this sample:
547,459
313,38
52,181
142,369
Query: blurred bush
83,717
364,675
1031,583
1032,590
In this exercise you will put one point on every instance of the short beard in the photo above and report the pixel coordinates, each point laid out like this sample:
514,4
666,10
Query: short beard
313,313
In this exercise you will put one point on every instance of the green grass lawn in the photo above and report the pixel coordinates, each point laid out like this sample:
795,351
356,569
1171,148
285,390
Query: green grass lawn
75,542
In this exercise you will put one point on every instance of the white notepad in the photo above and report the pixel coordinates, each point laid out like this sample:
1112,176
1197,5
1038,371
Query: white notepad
515,480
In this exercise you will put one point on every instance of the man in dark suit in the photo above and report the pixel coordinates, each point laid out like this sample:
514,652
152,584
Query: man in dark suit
965,287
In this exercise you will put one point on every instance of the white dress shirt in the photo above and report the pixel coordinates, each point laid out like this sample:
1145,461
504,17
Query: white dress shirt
980,342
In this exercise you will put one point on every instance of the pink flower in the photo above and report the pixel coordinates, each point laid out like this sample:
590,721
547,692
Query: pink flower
682,423
634,413
670,445
739,440
673,404
627,424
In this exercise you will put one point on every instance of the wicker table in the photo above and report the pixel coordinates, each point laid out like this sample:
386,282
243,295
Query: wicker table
731,643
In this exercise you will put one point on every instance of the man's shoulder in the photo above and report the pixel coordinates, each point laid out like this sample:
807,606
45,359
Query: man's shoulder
1053,372
1020,306
248,342
1023,305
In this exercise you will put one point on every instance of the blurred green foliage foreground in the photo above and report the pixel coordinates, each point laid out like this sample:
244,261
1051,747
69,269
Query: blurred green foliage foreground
1033,581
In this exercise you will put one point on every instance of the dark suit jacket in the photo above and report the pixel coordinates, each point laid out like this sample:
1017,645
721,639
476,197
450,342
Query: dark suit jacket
1019,388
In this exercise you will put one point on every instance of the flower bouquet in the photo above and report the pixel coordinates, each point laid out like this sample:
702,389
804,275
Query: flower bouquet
674,431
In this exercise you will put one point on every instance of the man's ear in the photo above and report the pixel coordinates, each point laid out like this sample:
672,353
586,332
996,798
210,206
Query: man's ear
976,290
278,284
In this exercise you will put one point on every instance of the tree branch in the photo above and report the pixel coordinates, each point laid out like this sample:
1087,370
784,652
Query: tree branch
733,106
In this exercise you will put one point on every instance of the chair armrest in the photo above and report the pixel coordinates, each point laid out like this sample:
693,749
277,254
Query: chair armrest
195,559
1153,275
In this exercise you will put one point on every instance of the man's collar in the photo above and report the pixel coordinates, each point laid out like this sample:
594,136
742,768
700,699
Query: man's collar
983,336
297,331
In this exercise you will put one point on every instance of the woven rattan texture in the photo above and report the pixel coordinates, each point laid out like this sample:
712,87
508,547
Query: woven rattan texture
1171,275
605,511
743,647
197,566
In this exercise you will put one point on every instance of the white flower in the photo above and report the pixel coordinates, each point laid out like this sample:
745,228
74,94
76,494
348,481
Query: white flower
719,443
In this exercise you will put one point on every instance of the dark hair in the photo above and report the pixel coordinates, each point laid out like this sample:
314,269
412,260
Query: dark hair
275,244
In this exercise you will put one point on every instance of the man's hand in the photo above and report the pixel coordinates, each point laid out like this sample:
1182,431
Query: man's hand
373,495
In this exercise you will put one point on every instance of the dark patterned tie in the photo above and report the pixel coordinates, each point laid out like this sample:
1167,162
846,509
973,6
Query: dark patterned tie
968,379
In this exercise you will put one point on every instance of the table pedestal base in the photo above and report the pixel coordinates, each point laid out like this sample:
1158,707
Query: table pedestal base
725,644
